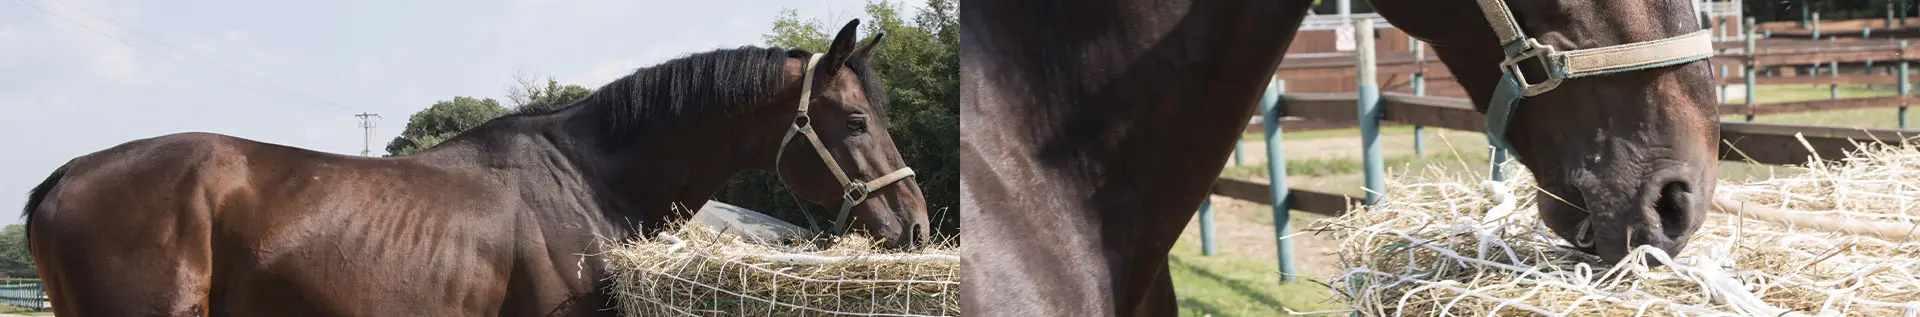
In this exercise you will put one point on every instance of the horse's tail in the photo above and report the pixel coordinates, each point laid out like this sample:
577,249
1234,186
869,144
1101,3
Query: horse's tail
39,193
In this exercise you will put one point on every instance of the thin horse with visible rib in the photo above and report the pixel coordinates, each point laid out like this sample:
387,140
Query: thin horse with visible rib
504,219
1092,130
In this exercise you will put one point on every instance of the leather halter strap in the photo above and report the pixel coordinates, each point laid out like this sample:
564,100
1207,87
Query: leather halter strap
1559,65
852,191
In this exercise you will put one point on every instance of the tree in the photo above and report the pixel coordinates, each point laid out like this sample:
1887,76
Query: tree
920,65
15,258
442,121
528,91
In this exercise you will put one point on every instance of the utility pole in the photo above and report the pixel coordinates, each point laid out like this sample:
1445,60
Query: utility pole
367,125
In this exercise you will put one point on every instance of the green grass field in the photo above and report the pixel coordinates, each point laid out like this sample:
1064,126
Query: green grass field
1235,285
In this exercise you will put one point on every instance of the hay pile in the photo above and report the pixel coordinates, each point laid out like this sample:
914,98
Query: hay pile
695,271
1478,249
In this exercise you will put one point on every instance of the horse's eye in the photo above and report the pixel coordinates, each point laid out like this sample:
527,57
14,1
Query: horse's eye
857,125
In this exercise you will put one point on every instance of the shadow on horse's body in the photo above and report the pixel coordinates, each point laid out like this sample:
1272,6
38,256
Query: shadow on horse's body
1093,129
505,219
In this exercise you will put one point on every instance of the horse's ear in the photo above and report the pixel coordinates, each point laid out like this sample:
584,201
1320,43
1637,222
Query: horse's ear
866,52
839,52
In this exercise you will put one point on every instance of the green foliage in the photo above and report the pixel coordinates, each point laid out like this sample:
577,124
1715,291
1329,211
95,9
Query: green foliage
920,64
15,258
532,93
443,120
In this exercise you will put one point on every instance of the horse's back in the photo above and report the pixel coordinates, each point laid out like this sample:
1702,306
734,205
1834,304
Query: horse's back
289,231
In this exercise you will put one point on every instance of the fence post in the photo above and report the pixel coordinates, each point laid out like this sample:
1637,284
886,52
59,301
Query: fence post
1277,174
1237,161
1207,246
1816,24
1419,89
1369,107
1903,85
1833,71
1805,23
1869,72
1751,66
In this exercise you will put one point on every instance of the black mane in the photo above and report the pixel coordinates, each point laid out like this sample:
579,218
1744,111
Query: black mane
726,80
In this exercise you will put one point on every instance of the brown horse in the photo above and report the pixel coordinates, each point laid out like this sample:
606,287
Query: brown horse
1093,129
504,219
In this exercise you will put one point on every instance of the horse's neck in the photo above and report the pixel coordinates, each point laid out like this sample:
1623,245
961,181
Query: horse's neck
663,175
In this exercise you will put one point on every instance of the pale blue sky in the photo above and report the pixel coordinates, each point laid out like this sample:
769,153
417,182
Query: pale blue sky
66,91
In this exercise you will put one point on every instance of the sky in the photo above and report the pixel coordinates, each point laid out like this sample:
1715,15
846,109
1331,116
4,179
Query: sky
80,76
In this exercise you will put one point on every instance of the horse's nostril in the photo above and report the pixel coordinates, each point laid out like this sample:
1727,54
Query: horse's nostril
1672,206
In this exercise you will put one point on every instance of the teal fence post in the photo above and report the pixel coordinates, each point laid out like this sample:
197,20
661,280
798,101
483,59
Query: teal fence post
1833,71
1903,85
1369,107
1237,161
1419,89
1869,72
1207,246
1751,66
1270,110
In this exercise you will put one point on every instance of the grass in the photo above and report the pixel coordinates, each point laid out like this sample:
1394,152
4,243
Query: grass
1229,284
16,310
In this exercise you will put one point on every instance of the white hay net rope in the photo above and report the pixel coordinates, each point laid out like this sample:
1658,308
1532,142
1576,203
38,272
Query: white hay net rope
709,276
1450,248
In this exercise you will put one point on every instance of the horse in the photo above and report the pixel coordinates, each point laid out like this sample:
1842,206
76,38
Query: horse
508,218
1092,130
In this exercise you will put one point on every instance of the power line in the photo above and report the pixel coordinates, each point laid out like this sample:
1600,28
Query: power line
171,59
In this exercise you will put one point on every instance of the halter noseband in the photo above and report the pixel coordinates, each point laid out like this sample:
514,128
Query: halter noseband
852,191
1560,66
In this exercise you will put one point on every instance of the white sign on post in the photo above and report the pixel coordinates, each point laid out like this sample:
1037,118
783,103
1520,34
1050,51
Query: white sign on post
1343,38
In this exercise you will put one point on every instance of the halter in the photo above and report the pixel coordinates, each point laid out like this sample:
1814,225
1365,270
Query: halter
852,191
1561,66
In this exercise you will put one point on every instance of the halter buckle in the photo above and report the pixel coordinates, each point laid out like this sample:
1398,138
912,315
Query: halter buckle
1549,65
855,191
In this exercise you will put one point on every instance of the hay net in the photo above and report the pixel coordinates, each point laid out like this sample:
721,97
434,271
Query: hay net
1442,247
692,270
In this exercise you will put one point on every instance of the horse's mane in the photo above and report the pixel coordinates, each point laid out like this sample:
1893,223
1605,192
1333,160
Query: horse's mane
726,80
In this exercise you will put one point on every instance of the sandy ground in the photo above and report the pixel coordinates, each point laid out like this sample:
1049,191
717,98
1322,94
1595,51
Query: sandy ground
1238,230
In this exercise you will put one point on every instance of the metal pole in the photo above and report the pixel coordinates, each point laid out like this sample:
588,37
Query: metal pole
1904,88
1345,8
1833,71
1207,247
1751,56
1419,89
1237,161
1816,24
1369,107
1869,72
1277,172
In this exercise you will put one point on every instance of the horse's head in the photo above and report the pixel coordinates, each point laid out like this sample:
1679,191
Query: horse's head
838,152
1625,157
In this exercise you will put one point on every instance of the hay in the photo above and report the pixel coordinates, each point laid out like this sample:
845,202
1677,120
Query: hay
695,271
1445,247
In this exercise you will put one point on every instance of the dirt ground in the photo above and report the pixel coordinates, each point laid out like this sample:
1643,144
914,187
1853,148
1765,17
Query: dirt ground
1244,228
